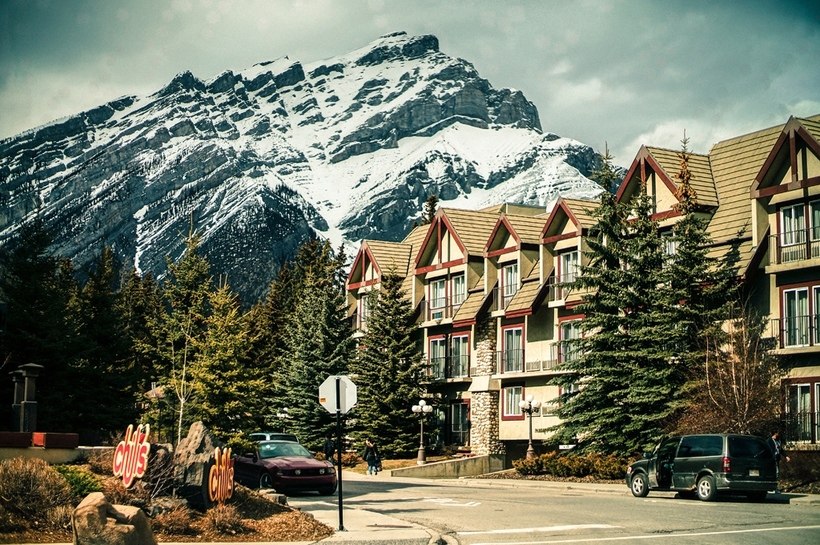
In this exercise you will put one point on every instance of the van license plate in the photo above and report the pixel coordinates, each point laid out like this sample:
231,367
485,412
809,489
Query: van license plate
754,473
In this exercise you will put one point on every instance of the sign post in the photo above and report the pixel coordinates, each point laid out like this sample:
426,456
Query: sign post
337,394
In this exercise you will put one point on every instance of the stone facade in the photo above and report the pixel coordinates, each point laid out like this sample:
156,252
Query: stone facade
484,405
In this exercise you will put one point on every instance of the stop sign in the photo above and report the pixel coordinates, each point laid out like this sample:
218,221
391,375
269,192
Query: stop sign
337,394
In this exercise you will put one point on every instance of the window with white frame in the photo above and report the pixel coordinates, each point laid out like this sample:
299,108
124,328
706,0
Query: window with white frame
796,317
509,283
512,397
799,408
438,298
438,357
568,266
793,224
459,346
459,289
513,350
670,243
363,311
570,330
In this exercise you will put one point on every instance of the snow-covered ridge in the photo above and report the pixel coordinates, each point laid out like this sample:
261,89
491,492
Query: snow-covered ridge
259,158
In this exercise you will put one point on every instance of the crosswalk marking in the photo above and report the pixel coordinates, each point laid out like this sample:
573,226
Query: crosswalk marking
558,528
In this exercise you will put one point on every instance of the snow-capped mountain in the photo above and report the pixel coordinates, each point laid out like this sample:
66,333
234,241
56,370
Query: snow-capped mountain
255,160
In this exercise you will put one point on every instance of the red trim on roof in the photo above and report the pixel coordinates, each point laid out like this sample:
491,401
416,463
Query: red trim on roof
556,238
439,266
510,231
502,251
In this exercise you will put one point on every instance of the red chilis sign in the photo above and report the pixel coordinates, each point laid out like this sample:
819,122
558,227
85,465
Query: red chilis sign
220,478
131,455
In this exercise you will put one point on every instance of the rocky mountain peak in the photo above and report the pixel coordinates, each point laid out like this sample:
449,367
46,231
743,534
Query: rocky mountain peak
264,157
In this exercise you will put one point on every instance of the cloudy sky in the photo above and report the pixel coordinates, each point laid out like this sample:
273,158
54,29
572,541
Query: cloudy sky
624,72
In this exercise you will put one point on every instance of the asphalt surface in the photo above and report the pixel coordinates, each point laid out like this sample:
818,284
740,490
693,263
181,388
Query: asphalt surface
361,526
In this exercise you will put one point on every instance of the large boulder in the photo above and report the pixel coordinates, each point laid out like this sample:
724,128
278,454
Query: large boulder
193,459
97,522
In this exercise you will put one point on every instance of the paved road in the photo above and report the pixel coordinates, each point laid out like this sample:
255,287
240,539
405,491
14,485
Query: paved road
495,513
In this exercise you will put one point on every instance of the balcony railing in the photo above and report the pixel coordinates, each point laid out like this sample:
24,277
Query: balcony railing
802,426
559,287
444,367
796,331
441,307
502,298
537,360
793,246
510,361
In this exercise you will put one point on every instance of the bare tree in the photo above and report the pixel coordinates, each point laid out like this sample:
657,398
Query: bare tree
737,389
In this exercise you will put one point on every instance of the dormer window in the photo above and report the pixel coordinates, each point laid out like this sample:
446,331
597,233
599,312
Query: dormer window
438,298
509,283
568,267
459,290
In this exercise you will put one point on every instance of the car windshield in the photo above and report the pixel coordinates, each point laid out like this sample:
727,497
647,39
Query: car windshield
277,450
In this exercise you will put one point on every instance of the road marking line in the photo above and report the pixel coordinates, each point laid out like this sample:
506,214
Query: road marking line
659,536
560,528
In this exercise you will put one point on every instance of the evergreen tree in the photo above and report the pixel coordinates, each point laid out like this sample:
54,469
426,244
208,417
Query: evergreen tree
654,387
268,323
186,293
429,211
142,314
319,341
101,364
388,371
226,387
700,286
40,328
604,173
623,370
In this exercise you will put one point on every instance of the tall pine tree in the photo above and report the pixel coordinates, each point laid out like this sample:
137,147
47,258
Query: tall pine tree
388,370
319,341
227,389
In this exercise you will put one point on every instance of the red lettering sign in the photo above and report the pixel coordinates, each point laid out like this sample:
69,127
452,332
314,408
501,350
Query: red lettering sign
220,479
131,455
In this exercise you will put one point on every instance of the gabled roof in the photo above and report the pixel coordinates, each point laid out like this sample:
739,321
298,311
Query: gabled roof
388,256
579,212
701,180
470,230
524,229
665,163
783,153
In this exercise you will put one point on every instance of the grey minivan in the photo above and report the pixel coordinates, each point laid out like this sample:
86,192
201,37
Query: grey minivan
706,464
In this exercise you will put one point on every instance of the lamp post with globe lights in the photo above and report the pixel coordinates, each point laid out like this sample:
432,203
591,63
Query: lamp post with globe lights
529,406
422,409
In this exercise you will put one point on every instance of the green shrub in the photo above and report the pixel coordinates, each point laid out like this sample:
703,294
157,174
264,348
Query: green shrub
82,482
30,488
573,465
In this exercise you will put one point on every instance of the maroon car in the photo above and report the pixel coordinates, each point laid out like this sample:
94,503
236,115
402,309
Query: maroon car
284,466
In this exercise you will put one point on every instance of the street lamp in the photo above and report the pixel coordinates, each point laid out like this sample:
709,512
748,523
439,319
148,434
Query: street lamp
529,406
421,409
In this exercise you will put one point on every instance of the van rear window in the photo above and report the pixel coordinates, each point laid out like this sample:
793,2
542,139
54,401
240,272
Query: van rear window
748,447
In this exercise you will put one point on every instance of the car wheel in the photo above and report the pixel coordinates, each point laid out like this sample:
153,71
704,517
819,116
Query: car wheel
265,480
638,485
706,488
327,490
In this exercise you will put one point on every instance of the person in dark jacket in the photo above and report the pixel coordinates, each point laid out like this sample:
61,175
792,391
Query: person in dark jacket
372,457
329,447
776,446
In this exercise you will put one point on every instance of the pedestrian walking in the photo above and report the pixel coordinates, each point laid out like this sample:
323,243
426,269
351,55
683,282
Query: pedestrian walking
329,447
372,457
776,446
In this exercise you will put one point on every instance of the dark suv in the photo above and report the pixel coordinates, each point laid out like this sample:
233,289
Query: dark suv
706,464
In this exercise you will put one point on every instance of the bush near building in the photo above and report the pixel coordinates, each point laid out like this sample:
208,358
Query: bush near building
598,466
